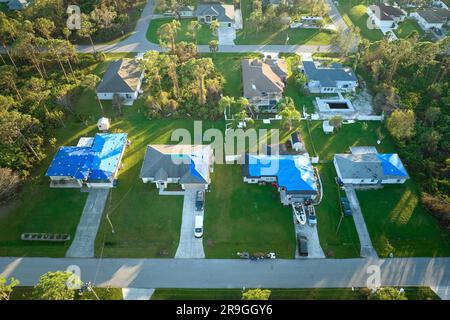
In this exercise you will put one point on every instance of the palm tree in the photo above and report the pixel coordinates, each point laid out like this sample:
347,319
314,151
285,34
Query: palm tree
90,82
214,46
214,26
288,112
170,63
200,68
194,27
167,33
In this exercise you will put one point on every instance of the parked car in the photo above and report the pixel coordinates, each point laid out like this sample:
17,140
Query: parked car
198,228
345,206
302,245
299,212
312,220
199,200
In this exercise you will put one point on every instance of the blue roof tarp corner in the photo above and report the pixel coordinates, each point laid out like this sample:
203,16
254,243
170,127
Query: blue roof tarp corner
293,172
100,161
392,165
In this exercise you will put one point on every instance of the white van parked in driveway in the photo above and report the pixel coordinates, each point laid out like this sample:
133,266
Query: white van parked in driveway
198,228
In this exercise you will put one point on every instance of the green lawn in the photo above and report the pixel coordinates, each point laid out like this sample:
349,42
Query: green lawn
4,7
398,223
204,34
245,217
229,64
25,293
393,214
406,27
354,12
296,36
412,293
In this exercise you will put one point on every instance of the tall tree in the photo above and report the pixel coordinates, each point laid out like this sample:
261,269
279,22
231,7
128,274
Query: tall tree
200,69
167,34
401,124
6,289
288,112
7,34
214,46
214,26
56,286
87,30
194,27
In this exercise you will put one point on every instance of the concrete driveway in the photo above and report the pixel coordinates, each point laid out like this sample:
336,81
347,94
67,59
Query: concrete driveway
189,246
310,232
83,243
367,249
226,35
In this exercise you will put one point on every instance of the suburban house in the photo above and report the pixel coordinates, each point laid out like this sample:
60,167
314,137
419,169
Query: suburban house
187,165
328,79
293,174
93,163
432,18
211,11
385,16
264,82
364,165
186,11
17,4
123,78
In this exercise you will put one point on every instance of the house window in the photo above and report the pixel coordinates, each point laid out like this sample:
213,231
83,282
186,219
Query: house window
399,180
128,96
362,180
229,24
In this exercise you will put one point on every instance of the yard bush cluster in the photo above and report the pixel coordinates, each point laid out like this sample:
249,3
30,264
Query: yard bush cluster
102,20
181,84
412,81
40,80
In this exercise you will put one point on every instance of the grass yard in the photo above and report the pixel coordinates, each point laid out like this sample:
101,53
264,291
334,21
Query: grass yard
396,220
355,13
204,34
398,223
296,36
229,64
25,293
412,293
406,27
245,217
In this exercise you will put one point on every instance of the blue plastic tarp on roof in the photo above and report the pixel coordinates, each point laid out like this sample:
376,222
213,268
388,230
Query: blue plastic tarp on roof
97,162
199,165
293,172
392,165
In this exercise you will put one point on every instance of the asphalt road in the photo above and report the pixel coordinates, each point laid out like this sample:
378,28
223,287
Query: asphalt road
215,273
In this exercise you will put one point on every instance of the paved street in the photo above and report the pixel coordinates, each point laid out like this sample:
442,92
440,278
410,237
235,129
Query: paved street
189,246
83,244
367,249
213,273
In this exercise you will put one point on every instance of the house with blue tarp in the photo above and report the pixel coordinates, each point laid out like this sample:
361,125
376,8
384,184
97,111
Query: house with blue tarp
93,163
186,165
364,165
293,174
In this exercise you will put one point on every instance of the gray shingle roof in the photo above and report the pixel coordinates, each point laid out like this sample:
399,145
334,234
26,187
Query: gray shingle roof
434,15
121,76
327,76
174,161
386,12
259,77
363,166
223,12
